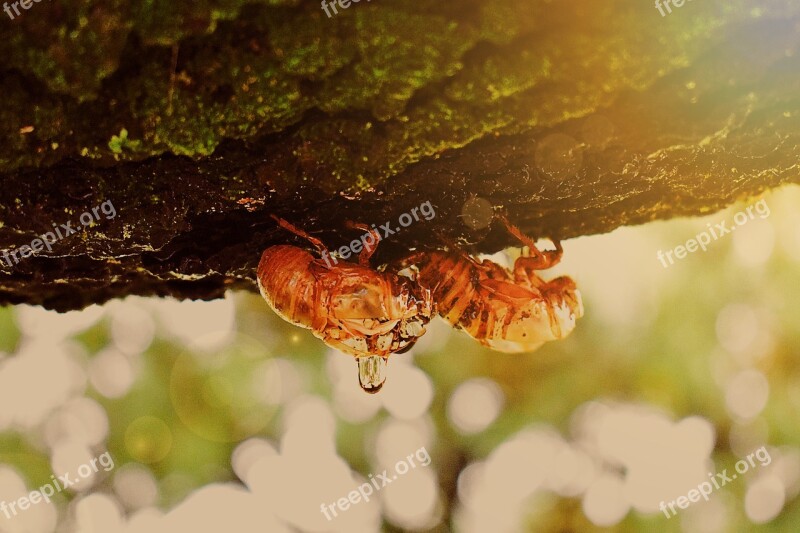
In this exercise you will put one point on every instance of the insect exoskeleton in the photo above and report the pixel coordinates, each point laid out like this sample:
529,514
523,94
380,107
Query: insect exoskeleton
509,311
351,307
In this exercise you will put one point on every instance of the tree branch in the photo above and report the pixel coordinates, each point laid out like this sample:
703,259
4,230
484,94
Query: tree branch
576,123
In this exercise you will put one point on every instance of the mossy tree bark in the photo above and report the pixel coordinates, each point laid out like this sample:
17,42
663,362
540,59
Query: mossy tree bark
198,120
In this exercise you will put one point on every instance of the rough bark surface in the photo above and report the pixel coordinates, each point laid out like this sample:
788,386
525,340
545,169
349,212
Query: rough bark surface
198,120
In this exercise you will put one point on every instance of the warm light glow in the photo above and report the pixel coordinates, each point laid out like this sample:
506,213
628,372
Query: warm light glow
135,486
474,405
605,503
148,439
80,420
747,393
111,373
764,499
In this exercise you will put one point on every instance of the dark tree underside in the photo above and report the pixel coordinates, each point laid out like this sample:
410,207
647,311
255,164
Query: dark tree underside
596,120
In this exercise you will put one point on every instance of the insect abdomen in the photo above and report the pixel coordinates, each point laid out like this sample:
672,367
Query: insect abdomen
460,299
450,280
287,284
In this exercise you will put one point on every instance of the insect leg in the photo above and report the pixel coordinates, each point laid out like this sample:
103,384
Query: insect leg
367,251
525,267
562,291
288,226
536,259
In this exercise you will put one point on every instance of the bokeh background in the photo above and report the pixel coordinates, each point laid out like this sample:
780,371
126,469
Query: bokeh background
221,417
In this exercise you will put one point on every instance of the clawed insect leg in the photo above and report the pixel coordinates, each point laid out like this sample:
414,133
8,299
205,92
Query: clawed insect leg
535,259
288,226
563,289
559,285
367,250
525,267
